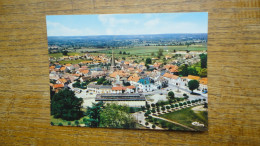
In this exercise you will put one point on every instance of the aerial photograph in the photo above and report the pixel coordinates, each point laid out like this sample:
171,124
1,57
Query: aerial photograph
130,71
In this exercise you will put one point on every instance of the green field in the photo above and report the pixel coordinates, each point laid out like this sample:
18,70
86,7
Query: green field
187,116
71,61
57,55
144,50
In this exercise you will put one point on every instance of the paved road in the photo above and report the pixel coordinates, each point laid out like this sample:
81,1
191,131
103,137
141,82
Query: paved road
139,116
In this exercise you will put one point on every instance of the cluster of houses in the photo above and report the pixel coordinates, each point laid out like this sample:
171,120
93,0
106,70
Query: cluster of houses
126,77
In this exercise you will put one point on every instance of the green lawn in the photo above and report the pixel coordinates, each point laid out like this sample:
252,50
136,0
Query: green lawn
65,122
187,116
174,126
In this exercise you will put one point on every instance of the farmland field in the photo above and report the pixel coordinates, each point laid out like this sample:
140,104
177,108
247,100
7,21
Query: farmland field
143,50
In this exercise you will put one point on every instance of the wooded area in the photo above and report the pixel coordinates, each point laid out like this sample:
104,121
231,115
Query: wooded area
233,73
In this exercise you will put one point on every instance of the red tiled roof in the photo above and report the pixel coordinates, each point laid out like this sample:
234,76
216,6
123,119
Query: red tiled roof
118,88
58,86
191,77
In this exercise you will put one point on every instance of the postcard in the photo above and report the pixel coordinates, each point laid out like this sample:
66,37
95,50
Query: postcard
131,71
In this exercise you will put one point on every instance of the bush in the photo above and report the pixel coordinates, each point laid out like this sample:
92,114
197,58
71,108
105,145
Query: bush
60,124
69,123
153,105
184,94
85,120
77,122
188,102
52,123
170,126
172,106
153,126
163,124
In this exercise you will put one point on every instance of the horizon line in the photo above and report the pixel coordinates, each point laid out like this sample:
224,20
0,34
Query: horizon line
126,34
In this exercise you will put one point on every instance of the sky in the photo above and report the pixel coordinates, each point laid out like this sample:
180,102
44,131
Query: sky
127,24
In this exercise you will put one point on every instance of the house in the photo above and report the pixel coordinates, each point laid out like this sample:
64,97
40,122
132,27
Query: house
173,69
61,81
133,79
105,89
172,79
161,82
130,100
130,89
57,87
93,88
146,85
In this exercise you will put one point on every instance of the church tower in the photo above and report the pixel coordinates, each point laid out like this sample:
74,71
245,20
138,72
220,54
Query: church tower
113,64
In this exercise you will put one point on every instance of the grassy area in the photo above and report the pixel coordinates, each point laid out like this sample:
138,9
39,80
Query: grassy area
71,61
143,50
187,116
167,124
57,55
65,122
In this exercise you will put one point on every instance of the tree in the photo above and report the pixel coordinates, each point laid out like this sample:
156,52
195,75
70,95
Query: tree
163,108
153,105
76,84
171,95
148,106
193,84
132,110
146,123
172,106
148,61
153,111
168,107
66,105
94,114
65,52
143,108
101,80
126,84
203,60
69,123
163,124
153,126
203,72
120,52
60,124
116,116
160,53
205,105
192,71
52,123
124,53
77,122
183,70
170,126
